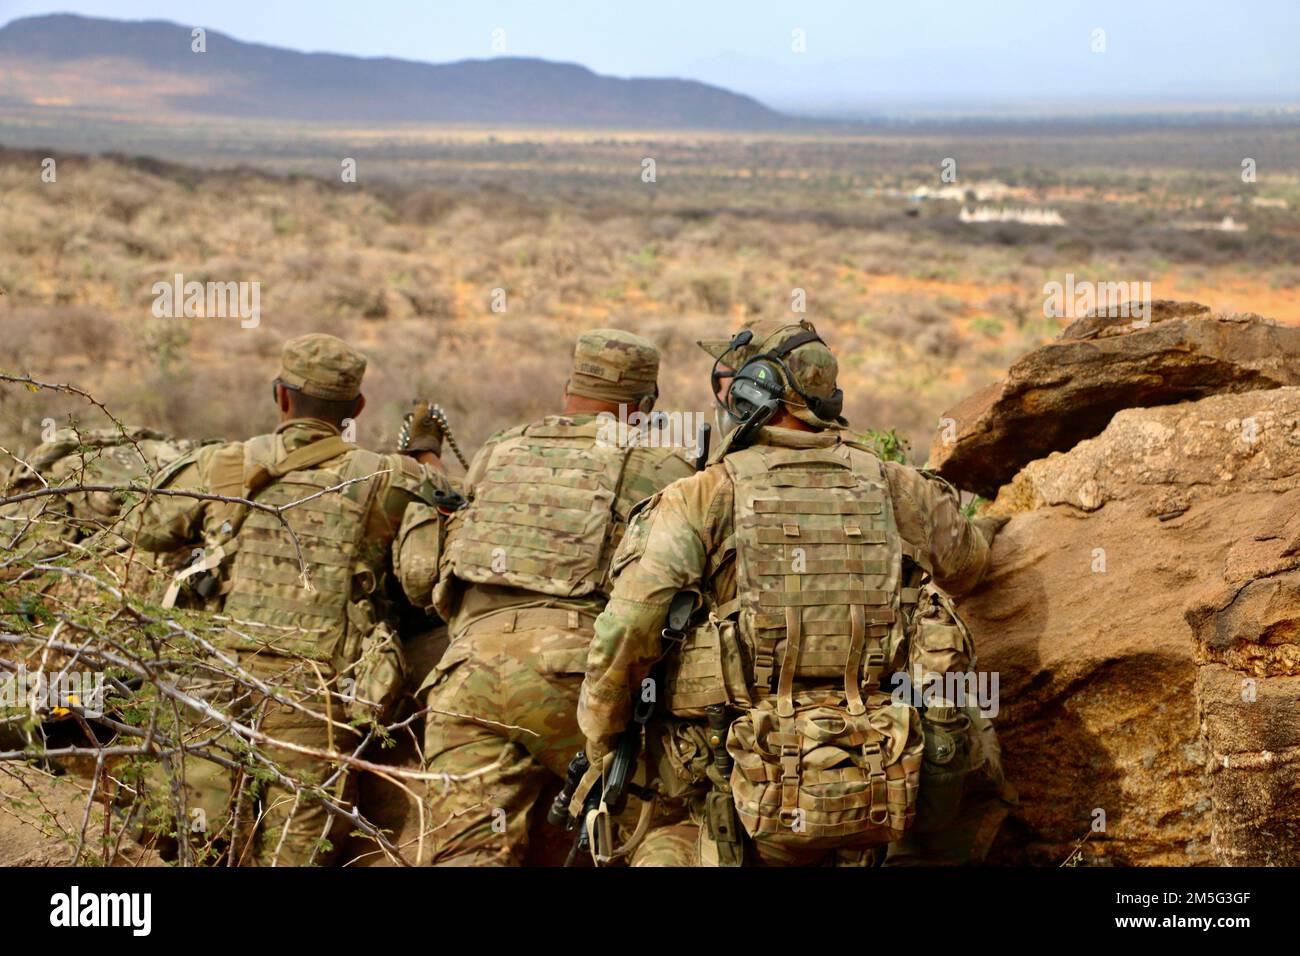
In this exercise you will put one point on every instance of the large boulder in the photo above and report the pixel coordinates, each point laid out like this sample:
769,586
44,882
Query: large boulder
1143,612
1068,390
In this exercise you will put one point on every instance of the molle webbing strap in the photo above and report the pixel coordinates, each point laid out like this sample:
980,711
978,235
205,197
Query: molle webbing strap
818,568
879,812
847,566
813,506
308,456
525,459
325,528
787,739
853,662
543,516
726,610
481,554
789,663
849,534
821,598
835,623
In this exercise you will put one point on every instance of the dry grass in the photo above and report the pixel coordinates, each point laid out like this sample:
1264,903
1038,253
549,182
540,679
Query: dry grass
919,315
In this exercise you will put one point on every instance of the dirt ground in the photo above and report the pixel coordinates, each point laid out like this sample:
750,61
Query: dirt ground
41,815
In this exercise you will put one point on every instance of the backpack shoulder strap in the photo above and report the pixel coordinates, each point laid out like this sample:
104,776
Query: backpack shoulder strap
226,478
226,471
308,456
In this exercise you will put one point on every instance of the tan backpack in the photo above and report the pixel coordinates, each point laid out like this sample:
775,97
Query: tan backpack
823,758
541,519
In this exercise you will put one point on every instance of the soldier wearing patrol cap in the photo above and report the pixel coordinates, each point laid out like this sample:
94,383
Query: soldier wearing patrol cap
520,575
810,564
324,645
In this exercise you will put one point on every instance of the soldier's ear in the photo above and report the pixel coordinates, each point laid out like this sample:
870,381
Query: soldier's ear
281,397
361,403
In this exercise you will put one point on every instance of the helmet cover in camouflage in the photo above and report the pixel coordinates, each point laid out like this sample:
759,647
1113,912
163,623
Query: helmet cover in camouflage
322,366
812,364
614,366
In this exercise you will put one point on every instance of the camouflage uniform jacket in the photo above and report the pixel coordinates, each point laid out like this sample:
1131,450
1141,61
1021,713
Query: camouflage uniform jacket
172,521
648,471
682,540
100,456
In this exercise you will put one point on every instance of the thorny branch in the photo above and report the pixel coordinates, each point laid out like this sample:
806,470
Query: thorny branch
152,663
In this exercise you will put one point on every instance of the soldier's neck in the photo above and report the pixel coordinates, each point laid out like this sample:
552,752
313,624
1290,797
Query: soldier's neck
783,419
582,405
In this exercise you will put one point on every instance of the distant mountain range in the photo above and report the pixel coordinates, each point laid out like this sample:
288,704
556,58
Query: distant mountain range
147,69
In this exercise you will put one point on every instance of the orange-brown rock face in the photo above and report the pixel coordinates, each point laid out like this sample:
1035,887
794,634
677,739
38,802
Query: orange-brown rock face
1068,390
1143,611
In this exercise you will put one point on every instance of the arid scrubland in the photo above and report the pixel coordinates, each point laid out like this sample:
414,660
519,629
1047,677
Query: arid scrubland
471,289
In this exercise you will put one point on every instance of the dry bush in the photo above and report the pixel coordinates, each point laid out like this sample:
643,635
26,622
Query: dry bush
713,292
408,273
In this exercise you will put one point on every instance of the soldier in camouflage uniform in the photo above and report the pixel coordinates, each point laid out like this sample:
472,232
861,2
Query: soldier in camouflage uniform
83,526
87,524
522,575
809,557
328,646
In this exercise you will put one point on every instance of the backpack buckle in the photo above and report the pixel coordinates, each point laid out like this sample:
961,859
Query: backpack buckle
764,667
875,665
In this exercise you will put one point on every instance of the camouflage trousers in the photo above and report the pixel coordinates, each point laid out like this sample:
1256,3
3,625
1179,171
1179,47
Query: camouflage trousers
222,809
684,841
502,726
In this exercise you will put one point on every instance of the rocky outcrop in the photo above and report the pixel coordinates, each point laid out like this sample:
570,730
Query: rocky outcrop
1143,612
1169,457
1068,390
1247,634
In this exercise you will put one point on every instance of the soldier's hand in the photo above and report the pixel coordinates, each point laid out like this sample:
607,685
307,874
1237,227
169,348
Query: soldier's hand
423,428
990,525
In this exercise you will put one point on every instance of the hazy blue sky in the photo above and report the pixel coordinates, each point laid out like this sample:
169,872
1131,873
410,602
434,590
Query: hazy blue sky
861,54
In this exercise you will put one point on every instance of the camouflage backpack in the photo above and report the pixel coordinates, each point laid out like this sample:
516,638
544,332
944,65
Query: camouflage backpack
824,759
542,517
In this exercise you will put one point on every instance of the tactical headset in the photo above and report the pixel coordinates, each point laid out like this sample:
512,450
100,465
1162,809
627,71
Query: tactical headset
646,403
758,389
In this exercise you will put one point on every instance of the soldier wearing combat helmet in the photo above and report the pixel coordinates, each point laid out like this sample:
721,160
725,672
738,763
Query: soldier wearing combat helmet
520,574
810,564
305,640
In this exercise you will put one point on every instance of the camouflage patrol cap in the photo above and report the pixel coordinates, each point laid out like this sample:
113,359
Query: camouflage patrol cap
812,364
614,366
322,366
